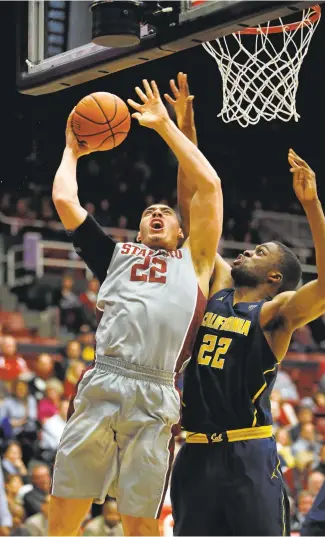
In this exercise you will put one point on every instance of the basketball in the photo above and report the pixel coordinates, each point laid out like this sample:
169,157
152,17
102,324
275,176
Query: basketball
101,120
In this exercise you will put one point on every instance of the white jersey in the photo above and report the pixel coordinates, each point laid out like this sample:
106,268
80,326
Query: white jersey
152,307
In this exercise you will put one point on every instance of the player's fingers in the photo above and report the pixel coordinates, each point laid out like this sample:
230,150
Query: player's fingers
174,88
155,89
180,81
169,99
142,95
134,105
147,88
185,88
298,159
69,120
136,115
189,101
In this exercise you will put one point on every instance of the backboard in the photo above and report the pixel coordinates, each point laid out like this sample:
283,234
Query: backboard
55,48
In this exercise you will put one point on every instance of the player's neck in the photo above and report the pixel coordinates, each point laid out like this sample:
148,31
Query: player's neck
249,294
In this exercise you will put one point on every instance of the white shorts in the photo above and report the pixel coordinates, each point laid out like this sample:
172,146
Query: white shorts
119,439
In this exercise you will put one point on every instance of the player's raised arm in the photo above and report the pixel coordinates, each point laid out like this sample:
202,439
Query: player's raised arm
89,240
182,102
308,302
65,186
205,229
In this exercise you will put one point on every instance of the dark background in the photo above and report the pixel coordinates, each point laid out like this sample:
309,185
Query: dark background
251,162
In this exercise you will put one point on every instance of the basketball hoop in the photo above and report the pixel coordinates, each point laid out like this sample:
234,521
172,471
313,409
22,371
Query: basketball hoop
260,76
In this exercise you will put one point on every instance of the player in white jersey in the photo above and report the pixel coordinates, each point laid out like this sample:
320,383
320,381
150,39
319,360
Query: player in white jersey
152,299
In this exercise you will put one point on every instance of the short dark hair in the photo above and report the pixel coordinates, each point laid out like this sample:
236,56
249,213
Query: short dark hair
290,268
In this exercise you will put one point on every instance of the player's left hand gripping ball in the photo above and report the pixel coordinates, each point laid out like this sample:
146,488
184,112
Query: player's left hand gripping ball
101,121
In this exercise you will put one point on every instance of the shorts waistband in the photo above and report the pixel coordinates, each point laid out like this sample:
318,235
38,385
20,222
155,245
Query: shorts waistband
138,372
235,435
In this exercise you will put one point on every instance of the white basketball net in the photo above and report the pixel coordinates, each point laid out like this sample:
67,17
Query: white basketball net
262,82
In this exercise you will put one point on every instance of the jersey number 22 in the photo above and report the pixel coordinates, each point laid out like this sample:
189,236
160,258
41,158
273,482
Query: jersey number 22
211,349
152,270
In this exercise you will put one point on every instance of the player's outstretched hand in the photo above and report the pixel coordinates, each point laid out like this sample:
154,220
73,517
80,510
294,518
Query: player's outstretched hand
182,102
72,142
152,113
304,179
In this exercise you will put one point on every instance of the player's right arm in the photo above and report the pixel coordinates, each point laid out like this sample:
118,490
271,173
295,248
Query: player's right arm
206,205
89,240
186,188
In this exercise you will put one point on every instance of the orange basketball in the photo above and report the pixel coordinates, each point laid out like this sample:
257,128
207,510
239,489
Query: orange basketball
101,120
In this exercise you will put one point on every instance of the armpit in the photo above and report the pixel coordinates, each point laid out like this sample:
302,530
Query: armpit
278,323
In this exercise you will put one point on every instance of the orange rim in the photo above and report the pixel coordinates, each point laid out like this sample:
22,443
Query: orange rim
287,27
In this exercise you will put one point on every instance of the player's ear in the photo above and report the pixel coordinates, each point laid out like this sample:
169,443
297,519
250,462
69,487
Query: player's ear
275,277
180,234
138,239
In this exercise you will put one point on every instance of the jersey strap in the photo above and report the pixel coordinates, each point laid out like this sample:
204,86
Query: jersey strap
251,433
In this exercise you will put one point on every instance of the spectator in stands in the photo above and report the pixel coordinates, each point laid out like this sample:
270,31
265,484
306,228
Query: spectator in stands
47,211
6,204
286,387
305,415
12,462
52,430
284,447
22,209
252,234
319,400
44,369
284,412
307,440
13,485
305,501
41,481
107,524
5,516
302,340
72,354
18,517
21,410
103,216
69,305
50,405
89,299
314,483
87,340
320,467
72,377
38,524
11,364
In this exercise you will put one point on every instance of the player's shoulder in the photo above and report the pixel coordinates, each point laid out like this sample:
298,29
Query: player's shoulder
270,317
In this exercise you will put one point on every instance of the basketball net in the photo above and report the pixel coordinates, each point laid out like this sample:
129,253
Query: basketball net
260,74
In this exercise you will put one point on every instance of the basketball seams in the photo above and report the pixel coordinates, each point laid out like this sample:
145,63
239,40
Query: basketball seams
89,119
102,111
99,109
115,104
108,137
124,119
93,134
